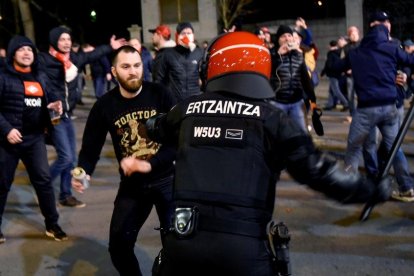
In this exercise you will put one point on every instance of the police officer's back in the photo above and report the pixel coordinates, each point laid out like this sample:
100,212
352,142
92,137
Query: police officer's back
232,144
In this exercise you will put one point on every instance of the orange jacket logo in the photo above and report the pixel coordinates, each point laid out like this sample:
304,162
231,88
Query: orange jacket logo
32,88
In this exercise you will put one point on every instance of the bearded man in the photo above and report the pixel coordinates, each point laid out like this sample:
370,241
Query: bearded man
145,180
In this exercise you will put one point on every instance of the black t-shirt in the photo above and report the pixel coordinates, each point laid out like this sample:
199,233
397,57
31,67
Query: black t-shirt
125,119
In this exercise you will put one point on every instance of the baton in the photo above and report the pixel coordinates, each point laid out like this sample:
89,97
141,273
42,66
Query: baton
395,146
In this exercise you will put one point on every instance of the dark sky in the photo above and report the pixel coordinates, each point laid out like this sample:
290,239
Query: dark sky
114,17
308,9
117,16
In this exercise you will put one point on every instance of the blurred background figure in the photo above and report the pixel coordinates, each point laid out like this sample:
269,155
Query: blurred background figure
146,57
76,48
100,71
178,66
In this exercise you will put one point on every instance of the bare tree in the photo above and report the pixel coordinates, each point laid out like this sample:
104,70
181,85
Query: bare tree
23,15
27,19
229,10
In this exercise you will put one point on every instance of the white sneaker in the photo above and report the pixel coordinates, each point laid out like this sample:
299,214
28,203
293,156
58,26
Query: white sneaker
407,196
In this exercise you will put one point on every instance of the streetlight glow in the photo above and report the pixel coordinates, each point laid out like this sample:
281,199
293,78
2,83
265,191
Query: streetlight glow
93,15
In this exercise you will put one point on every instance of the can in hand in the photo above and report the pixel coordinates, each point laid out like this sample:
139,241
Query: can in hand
79,174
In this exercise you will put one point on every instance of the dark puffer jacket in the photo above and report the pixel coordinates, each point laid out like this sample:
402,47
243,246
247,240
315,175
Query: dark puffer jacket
291,81
66,92
178,70
12,98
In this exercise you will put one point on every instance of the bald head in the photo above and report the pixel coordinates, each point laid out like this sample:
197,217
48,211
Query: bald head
353,34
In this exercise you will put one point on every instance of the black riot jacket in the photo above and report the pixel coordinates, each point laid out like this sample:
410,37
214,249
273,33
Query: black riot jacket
226,153
231,150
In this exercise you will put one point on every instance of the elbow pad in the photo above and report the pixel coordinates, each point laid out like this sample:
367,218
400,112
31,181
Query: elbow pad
154,127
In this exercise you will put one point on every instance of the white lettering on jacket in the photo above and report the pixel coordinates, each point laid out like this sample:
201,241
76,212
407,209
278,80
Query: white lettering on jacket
210,132
33,102
223,107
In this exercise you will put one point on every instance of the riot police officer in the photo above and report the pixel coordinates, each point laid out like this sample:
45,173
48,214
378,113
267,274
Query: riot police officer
232,144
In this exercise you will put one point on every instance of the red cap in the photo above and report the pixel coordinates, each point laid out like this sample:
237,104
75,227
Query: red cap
162,30
265,30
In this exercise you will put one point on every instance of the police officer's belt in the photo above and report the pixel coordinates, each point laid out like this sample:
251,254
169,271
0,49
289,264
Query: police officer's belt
238,227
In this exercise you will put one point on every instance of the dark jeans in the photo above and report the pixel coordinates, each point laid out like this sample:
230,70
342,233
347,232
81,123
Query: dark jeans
32,152
351,94
131,210
99,83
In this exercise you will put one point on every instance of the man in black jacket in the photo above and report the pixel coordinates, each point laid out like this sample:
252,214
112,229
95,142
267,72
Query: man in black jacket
146,167
23,119
291,81
61,66
177,68
335,93
232,144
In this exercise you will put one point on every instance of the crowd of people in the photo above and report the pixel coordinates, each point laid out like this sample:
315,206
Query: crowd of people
168,135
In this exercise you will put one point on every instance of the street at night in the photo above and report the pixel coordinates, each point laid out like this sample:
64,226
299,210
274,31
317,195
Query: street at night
327,237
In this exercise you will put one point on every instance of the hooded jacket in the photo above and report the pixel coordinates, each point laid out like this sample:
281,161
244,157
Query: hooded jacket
374,67
66,91
15,111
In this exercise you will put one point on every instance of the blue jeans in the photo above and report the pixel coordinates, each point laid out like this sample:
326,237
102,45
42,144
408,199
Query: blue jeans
99,84
133,205
364,122
400,164
295,111
351,94
335,93
64,141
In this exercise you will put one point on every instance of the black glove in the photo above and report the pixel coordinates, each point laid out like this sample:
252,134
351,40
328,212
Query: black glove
372,191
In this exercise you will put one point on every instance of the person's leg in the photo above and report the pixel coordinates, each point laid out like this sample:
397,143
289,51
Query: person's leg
74,157
8,164
334,84
362,124
130,212
164,203
370,153
351,94
402,172
297,114
99,84
404,183
331,102
35,160
63,139
389,130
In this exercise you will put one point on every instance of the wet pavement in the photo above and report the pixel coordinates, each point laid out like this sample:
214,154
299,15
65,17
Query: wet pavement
327,237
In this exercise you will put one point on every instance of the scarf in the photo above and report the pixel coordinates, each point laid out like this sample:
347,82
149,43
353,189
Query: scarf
22,69
71,71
